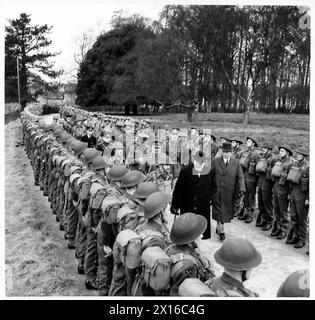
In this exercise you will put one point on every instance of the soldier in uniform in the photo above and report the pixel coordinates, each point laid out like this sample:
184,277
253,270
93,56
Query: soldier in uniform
95,172
214,147
128,213
236,151
107,230
56,119
144,189
265,184
104,143
153,232
127,217
251,180
71,213
186,231
280,195
299,202
236,147
238,257
117,155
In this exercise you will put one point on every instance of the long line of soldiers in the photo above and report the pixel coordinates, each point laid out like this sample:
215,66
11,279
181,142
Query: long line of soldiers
278,177
112,213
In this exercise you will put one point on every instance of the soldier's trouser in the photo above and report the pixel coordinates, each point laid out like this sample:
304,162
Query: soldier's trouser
80,246
71,216
145,290
118,285
60,203
250,198
36,170
90,261
122,277
105,268
238,206
42,174
280,204
54,198
46,178
299,214
50,184
265,204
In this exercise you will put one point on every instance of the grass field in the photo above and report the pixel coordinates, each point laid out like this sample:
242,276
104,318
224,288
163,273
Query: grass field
277,129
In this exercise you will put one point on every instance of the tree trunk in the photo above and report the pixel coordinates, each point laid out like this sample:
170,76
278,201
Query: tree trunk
127,110
135,110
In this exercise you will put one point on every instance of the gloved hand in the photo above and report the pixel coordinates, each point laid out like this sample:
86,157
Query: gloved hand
107,250
174,210
307,202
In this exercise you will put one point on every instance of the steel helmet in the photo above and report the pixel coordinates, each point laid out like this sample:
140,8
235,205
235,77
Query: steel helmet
78,147
296,284
58,132
116,172
132,178
155,203
144,189
90,154
187,228
238,254
98,163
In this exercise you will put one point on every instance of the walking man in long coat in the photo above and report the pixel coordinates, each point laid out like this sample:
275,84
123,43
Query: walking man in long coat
195,189
229,180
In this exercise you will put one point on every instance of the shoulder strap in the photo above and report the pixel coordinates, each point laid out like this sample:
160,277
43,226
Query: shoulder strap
183,256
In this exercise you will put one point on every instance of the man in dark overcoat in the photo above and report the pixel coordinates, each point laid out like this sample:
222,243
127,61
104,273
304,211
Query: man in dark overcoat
194,189
230,184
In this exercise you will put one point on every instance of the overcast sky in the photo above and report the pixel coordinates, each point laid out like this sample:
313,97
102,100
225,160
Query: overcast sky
70,19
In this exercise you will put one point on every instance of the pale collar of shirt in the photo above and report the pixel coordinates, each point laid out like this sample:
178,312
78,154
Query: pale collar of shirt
227,160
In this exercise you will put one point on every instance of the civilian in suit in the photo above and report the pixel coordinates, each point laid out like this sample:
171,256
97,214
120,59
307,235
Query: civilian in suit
195,189
89,138
230,184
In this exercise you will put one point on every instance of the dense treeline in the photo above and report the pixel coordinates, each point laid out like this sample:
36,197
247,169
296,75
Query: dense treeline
228,58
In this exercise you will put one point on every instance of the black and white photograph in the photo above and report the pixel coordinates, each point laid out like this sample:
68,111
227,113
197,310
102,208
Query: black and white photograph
156,149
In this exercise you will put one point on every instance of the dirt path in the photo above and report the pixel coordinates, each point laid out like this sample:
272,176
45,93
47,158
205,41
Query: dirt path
38,262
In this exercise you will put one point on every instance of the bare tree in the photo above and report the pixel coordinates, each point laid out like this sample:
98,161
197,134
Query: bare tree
84,43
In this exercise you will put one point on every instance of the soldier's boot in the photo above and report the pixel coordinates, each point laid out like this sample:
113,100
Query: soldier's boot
243,214
91,284
259,220
299,244
275,229
71,244
81,268
282,234
266,226
292,237
249,219
91,260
